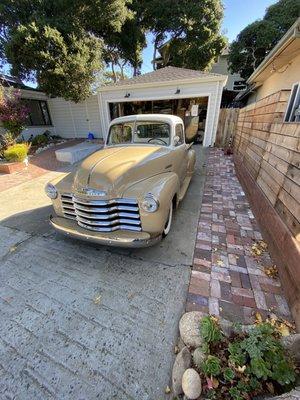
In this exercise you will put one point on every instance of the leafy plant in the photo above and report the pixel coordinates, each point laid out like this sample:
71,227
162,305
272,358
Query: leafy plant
228,374
39,140
210,330
247,364
235,393
211,366
17,152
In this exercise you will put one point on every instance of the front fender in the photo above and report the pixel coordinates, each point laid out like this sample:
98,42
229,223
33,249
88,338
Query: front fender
163,187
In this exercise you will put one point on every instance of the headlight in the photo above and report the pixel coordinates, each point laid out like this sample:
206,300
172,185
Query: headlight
149,204
51,191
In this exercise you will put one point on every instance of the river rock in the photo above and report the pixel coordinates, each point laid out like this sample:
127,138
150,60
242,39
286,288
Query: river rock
292,344
191,384
293,395
182,362
198,356
189,327
226,326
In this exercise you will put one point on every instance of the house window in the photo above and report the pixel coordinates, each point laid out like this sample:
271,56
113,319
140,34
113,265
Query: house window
239,85
38,112
293,109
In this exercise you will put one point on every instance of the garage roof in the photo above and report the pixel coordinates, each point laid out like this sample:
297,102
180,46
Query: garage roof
166,74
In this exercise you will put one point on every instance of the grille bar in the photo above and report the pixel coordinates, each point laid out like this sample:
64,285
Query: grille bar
102,215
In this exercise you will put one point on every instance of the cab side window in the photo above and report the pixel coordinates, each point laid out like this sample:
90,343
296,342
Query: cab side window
179,133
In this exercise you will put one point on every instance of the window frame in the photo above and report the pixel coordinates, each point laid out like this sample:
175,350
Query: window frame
182,134
292,105
39,101
134,124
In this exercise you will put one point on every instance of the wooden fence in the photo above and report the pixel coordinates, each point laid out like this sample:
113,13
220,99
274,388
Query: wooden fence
270,151
226,126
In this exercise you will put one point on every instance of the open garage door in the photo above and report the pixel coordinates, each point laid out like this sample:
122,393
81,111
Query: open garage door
193,111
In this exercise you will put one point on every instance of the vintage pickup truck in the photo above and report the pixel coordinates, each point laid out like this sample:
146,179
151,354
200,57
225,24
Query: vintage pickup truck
125,194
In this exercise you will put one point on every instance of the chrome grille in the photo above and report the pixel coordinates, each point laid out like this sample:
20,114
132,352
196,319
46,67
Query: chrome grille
102,215
68,205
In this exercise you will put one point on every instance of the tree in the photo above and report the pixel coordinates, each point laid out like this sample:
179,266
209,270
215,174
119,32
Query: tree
59,42
256,40
193,30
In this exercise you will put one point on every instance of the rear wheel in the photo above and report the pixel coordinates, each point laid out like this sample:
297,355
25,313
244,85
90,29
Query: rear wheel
167,227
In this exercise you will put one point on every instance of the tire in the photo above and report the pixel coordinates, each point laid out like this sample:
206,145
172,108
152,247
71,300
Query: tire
167,227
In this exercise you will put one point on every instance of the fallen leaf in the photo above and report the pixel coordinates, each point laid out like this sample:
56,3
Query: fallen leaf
258,318
97,299
270,387
209,383
283,330
263,244
176,349
215,383
220,263
167,390
13,248
241,369
271,272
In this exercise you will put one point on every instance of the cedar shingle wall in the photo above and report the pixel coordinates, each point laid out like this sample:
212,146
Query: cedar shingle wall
270,150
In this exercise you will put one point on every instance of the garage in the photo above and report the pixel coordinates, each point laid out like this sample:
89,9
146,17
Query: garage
194,96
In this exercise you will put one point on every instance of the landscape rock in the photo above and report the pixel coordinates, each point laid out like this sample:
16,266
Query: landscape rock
292,395
189,327
226,326
198,356
180,344
191,384
182,362
292,344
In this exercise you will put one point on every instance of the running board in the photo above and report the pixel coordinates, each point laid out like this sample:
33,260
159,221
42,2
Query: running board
184,187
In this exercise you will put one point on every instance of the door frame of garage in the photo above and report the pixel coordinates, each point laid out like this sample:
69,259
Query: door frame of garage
210,88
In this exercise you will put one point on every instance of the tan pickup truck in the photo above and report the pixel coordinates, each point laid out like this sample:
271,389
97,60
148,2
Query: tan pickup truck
125,194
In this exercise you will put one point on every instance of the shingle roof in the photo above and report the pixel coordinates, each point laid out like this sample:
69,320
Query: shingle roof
164,75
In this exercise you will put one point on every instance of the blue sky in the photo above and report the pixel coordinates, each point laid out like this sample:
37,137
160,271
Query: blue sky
238,14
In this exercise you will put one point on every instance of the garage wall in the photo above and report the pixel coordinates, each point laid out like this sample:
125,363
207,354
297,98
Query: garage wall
212,89
73,120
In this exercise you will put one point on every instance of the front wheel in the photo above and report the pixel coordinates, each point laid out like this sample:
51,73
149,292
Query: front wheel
169,221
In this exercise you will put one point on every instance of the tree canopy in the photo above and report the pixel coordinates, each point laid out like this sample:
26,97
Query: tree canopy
63,44
256,40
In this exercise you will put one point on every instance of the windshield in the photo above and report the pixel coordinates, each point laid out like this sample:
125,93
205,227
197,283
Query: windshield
139,132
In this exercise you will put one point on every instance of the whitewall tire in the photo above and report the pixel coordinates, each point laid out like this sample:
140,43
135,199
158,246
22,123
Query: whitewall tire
169,221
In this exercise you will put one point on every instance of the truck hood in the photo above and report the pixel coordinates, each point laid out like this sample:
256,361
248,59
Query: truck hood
113,169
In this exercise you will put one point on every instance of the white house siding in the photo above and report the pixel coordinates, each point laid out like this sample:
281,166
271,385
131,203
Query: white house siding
211,89
73,120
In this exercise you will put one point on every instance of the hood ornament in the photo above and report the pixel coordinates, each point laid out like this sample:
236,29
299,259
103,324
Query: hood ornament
92,192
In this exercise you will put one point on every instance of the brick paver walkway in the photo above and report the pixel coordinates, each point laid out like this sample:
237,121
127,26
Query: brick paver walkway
227,279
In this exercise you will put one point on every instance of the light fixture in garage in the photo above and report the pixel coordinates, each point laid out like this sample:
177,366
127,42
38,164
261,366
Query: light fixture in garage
177,91
127,95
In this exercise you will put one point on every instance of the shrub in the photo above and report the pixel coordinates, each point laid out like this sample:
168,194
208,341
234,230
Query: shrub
246,364
16,152
13,113
39,140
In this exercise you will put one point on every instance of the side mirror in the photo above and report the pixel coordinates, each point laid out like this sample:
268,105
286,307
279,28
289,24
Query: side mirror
176,140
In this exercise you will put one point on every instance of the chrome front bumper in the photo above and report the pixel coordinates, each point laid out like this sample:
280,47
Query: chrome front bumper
117,238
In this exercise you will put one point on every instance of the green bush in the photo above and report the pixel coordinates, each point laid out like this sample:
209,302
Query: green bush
39,140
246,364
16,152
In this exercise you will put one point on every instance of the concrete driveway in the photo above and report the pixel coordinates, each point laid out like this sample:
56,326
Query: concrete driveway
80,321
